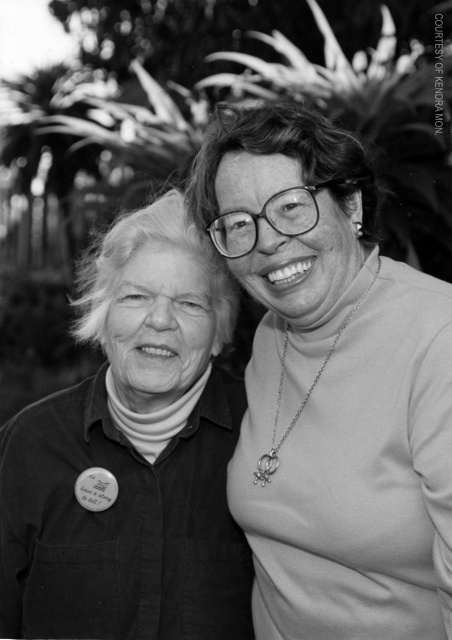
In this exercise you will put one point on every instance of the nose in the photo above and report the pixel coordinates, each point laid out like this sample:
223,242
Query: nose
268,239
160,315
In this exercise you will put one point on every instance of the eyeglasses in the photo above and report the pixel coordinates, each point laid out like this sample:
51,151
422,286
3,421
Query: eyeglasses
291,212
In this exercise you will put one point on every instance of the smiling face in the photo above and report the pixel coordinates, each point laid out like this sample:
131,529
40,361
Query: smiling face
160,329
299,277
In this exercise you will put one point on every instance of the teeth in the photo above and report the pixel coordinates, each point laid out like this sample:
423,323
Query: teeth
289,273
153,351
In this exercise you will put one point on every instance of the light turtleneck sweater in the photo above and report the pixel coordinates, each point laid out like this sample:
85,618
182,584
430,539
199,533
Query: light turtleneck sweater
352,540
150,432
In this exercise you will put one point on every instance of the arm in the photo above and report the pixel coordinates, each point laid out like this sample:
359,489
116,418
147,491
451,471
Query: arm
430,435
13,552
13,559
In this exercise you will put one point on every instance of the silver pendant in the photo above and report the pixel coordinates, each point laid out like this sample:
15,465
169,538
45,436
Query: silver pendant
267,465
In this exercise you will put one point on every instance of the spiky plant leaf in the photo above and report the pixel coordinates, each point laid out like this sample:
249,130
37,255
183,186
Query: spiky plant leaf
252,62
163,105
280,43
334,56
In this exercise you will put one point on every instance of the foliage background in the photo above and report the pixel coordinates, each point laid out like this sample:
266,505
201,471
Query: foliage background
81,143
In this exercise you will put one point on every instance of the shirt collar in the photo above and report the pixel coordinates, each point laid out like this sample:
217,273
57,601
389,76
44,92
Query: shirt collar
212,406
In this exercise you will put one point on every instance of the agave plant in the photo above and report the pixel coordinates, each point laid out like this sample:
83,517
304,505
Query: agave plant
361,85
157,141
385,98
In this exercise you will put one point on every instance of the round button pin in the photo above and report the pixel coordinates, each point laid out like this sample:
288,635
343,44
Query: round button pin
96,489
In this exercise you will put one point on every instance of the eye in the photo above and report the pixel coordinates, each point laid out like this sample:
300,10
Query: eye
131,297
193,307
289,207
238,225
291,210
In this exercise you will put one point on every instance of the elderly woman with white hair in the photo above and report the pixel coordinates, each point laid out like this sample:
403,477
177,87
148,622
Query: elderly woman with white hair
113,513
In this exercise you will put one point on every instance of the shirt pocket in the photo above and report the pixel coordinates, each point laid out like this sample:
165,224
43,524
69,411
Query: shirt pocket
218,579
73,592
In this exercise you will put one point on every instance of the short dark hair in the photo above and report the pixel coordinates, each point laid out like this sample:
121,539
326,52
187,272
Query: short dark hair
325,152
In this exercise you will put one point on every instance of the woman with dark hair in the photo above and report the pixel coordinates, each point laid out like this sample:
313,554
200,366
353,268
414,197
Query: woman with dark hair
342,477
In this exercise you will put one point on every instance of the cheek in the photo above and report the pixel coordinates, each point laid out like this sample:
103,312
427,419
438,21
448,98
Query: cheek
199,339
123,324
118,331
328,243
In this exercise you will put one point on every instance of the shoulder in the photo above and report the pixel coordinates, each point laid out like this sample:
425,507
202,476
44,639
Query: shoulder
39,449
228,379
43,419
227,395
418,283
422,299
232,386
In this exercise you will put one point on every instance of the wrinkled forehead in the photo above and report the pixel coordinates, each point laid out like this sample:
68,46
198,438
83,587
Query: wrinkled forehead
168,267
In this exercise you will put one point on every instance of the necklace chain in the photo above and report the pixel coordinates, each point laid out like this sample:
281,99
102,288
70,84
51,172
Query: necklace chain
270,461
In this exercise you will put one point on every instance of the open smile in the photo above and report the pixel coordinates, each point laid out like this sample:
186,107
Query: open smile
289,273
162,352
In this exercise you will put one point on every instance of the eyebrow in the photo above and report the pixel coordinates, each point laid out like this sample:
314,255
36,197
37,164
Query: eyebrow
204,297
128,283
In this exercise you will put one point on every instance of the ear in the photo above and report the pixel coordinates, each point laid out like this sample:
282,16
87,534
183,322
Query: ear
216,347
356,207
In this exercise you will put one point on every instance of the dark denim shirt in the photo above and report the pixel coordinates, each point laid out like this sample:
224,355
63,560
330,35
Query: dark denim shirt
165,561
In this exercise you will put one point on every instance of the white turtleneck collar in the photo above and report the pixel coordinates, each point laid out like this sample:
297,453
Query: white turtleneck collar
150,432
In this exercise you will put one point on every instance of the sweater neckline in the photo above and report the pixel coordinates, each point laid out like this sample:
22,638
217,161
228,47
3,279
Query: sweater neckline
151,432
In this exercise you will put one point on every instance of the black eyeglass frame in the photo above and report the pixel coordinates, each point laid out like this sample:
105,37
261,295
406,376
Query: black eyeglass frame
263,214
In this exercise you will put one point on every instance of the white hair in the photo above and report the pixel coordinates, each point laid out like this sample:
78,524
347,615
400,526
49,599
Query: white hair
165,222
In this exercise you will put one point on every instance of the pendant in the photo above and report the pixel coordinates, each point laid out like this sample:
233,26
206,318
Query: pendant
267,465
